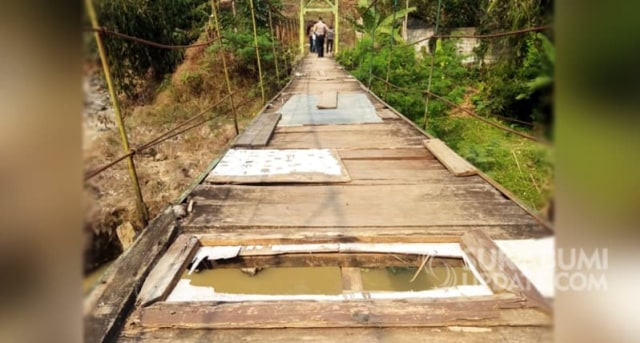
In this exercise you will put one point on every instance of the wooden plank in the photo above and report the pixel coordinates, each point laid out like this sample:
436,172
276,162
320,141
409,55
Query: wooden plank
373,212
328,100
259,131
386,113
345,260
107,306
390,196
521,334
363,139
475,311
166,273
386,154
501,274
351,279
398,129
400,170
301,235
456,164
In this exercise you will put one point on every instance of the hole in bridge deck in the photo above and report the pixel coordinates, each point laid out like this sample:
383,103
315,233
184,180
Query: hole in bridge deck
288,280
327,280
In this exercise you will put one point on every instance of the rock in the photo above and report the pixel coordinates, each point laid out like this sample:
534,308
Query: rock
126,235
251,271
179,211
160,157
190,206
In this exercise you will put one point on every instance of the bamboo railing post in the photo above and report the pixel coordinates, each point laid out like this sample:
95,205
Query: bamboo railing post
273,43
395,10
255,40
433,59
142,209
214,13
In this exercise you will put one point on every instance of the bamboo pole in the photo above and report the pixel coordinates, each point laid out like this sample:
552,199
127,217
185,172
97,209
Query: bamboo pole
255,40
142,209
273,44
214,13
433,59
395,10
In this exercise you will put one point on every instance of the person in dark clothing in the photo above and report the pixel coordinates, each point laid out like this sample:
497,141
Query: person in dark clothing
320,29
330,40
311,37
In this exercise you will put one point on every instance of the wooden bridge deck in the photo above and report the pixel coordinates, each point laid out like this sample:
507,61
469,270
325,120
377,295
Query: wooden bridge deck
397,191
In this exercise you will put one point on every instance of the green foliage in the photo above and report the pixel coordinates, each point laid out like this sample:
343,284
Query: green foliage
523,92
524,167
453,13
164,21
410,72
383,30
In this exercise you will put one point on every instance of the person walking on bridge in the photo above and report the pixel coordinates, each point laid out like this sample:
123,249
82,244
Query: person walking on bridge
320,29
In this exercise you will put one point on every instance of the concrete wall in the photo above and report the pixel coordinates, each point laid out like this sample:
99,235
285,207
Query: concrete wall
417,30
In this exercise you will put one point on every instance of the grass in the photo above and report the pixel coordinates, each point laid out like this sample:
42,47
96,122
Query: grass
522,166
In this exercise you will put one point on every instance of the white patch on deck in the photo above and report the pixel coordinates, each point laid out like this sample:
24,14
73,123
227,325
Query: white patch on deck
535,258
277,162
185,291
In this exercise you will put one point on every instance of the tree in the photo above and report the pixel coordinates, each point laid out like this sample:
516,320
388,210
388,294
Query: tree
372,25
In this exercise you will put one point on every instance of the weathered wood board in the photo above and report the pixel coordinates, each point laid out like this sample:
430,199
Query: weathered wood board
166,273
328,100
109,303
364,205
456,164
468,334
259,131
474,311
502,275
386,113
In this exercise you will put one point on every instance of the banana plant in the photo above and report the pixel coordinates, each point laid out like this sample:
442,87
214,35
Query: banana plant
371,23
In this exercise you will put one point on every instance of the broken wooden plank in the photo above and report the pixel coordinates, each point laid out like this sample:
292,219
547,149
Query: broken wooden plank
500,273
328,100
107,306
301,235
259,131
351,279
462,311
168,270
345,260
456,164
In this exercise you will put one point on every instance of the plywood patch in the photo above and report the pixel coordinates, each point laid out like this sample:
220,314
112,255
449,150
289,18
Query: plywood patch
291,166
456,164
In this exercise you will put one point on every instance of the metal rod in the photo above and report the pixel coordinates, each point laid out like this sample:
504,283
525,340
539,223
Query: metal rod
142,209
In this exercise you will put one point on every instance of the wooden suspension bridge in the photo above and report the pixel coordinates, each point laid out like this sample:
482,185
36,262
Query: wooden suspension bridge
330,175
